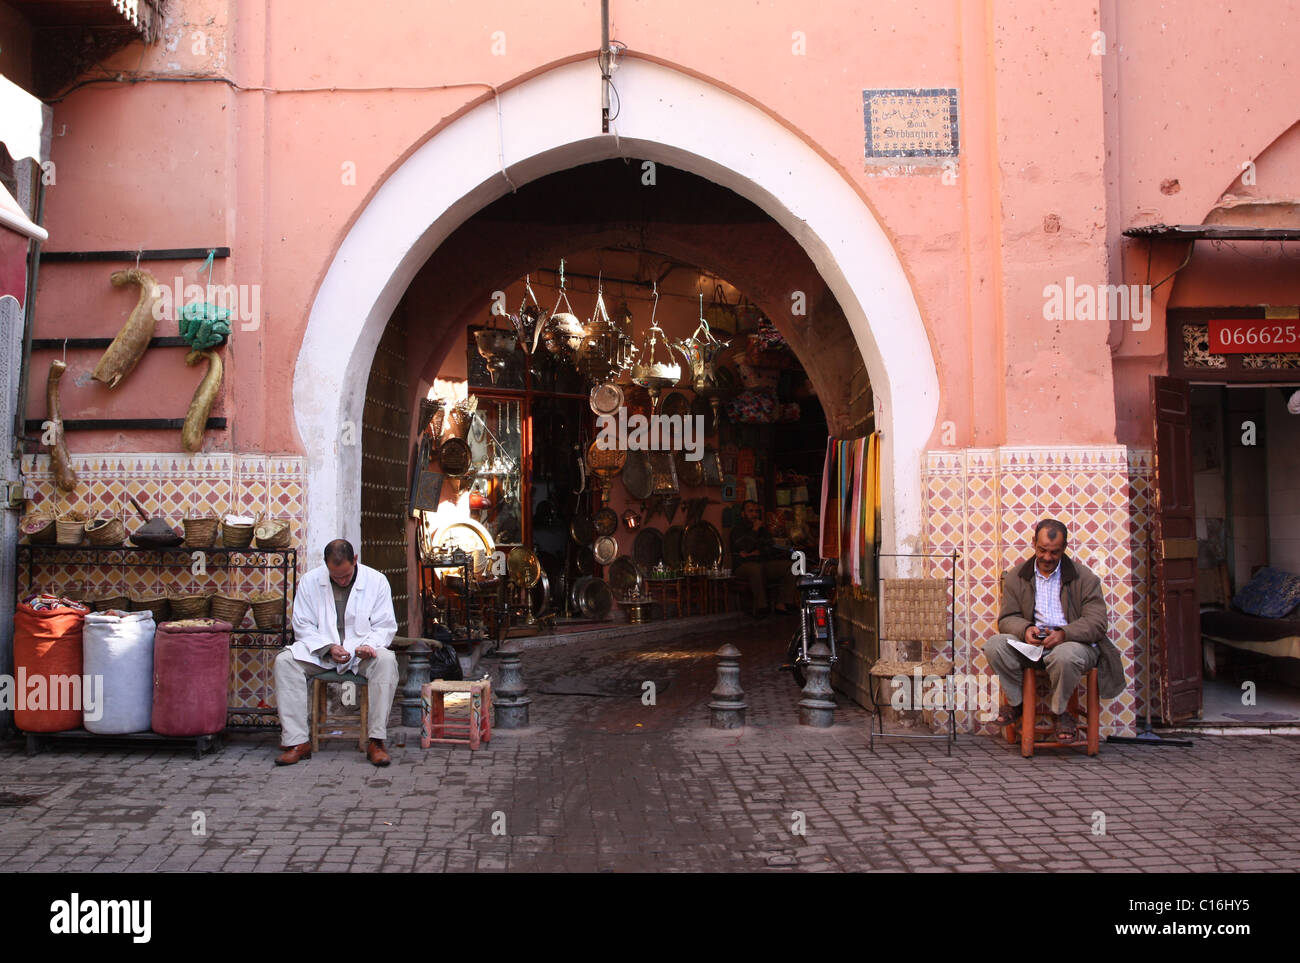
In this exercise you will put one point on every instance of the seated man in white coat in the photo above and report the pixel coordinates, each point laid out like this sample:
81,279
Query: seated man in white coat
343,620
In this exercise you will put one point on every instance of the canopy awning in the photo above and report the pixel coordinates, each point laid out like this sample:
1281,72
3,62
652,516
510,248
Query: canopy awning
25,125
1214,232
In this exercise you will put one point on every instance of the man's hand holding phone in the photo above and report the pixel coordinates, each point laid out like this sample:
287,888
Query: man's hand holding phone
1047,638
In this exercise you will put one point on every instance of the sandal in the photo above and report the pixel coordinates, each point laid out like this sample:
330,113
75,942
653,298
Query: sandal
1008,715
1067,729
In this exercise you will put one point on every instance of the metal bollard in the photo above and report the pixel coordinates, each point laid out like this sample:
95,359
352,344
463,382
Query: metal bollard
727,710
817,707
417,673
510,700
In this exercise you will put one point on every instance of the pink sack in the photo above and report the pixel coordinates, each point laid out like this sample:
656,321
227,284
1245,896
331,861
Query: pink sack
191,677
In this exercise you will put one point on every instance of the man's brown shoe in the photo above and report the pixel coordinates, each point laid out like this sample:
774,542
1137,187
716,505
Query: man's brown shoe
376,753
292,754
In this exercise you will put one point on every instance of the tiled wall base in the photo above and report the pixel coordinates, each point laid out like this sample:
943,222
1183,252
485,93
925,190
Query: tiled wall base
985,502
175,486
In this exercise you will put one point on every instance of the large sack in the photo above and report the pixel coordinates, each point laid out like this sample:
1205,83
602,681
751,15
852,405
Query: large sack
191,676
47,665
118,649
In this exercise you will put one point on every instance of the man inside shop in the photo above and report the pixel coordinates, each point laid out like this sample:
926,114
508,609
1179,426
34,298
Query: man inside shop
1053,617
757,560
343,620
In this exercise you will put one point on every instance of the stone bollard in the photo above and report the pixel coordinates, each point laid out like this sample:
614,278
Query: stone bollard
510,700
417,673
817,707
727,710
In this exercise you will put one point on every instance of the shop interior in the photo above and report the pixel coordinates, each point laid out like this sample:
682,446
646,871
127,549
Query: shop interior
1246,453
509,426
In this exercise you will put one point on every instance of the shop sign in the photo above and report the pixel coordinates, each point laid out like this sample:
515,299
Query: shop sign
1254,336
920,122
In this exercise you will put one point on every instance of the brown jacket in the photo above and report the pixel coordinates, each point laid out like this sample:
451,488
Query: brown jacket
1085,613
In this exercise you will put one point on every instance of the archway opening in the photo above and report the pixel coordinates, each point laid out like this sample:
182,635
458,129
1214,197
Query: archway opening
546,124
705,250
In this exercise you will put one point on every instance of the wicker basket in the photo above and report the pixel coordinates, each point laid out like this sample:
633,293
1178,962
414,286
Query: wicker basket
155,604
200,532
105,602
229,609
189,606
237,535
105,531
273,534
268,609
39,528
70,532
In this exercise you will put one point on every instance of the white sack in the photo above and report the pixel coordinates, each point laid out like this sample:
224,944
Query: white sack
118,649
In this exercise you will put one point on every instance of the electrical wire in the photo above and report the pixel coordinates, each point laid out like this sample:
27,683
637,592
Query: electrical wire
235,85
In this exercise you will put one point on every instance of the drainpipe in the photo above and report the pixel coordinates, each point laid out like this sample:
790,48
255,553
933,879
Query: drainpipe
29,318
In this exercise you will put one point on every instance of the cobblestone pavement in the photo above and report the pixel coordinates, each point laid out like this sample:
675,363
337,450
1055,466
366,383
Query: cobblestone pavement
601,782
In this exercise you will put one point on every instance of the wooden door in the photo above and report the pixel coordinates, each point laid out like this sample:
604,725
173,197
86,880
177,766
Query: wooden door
1175,605
386,464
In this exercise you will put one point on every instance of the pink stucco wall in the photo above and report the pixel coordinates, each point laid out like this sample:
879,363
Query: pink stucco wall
1062,148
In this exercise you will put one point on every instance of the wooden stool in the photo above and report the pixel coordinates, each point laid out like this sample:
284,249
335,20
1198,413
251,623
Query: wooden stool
1036,727
434,725
350,726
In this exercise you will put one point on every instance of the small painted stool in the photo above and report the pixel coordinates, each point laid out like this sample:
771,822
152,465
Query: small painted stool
434,725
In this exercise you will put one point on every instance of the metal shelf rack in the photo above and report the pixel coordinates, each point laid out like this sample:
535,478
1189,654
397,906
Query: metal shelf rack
284,562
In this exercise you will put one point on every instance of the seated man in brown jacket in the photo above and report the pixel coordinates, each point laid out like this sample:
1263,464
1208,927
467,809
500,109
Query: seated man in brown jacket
1053,602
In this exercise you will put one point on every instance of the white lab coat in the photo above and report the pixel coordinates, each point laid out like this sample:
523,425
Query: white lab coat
368,618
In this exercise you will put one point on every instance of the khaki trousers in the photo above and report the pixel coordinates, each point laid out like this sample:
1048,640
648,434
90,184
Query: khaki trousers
758,574
291,693
1066,665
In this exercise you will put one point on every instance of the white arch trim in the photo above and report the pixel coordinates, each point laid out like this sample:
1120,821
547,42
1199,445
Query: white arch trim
552,122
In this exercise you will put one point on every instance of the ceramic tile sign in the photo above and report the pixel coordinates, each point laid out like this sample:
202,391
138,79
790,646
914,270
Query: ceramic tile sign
920,122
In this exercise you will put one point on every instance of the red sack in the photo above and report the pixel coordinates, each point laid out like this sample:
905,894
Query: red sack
47,652
191,677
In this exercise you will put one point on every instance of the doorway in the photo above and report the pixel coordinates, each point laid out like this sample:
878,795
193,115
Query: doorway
1245,453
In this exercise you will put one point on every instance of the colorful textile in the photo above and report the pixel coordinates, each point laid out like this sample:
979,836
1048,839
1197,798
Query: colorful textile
44,601
850,506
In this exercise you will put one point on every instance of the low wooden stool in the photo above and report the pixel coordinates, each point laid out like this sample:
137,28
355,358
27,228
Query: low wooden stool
1036,727
350,726
434,725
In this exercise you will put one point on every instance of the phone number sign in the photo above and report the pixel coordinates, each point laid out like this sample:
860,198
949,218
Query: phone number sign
1254,336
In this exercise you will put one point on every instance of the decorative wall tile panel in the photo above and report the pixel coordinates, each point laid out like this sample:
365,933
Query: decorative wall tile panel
1102,494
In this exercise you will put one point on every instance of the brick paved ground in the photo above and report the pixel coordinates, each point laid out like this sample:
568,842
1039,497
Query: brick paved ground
602,782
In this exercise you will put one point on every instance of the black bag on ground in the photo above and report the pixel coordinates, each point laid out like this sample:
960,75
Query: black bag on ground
443,662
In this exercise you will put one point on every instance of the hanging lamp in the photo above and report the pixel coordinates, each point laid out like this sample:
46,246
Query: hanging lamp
649,371
562,332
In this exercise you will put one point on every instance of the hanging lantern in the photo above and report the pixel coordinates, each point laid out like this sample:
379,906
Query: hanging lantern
530,320
495,345
562,332
599,351
650,371
700,352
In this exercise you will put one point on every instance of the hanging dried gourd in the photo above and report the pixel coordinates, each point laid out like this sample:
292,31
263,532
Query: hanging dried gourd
130,344
204,398
60,460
